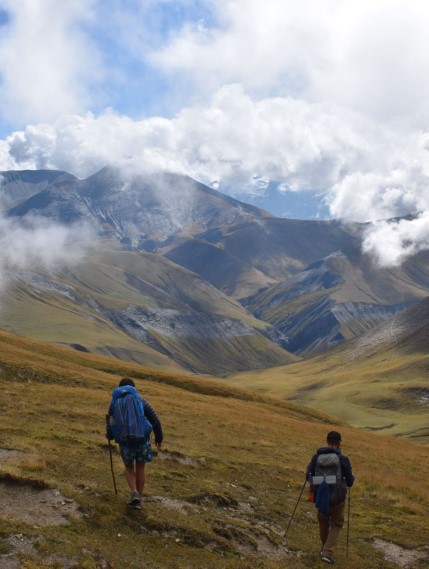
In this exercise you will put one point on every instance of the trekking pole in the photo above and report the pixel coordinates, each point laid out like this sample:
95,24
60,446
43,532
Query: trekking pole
296,505
111,468
110,453
348,523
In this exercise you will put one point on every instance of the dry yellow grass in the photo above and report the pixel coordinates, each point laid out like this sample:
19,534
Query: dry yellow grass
223,491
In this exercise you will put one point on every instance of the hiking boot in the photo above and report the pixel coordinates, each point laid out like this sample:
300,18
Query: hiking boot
134,500
327,559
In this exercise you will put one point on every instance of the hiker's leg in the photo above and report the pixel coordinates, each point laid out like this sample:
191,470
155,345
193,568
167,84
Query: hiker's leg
128,458
323,526
337,522
140,477
143,455
130,475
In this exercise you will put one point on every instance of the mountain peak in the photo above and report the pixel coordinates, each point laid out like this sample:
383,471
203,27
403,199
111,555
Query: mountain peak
140,209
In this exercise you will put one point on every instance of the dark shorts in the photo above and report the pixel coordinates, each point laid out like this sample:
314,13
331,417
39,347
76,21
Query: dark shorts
140,452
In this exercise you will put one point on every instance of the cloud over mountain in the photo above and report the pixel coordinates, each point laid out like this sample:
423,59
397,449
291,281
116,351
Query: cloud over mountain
300,144
391,242
37,243
311,95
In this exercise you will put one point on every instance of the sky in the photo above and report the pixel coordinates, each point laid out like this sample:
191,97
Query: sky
316,95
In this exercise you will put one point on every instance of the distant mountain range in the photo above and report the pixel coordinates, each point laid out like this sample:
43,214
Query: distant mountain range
184,276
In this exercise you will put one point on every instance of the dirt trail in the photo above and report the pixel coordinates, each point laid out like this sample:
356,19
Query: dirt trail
38,507
23,500
405,558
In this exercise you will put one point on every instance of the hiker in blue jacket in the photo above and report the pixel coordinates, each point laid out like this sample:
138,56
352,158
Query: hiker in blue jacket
135,451
330,473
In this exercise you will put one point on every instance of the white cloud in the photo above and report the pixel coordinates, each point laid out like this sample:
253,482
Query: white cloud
372,172
370,56
258,44
373,196
316,94
38,243
233,139
393,242
236,141
47,63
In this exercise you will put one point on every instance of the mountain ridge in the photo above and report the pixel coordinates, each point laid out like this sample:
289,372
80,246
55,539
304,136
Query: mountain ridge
138,210
303,286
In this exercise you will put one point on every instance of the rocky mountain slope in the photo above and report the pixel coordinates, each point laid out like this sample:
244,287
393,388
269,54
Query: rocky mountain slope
140,307
338,298
18,186
406,333
143,212
287,286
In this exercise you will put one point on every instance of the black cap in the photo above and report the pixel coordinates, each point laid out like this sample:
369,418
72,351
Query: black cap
334,436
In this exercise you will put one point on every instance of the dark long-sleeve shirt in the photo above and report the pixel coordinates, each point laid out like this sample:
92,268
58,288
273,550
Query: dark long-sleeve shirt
346,467
153,419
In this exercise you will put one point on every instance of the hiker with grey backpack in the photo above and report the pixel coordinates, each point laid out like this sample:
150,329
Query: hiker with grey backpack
330,474
130,421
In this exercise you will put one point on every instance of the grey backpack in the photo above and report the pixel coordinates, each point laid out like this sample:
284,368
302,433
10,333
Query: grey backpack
328,469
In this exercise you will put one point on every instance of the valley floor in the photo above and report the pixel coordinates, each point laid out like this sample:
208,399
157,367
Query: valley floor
387,394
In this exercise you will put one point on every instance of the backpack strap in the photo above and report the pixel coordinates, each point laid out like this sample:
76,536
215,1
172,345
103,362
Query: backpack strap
329,479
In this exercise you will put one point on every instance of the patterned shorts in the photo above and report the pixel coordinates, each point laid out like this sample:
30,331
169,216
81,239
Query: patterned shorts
140,452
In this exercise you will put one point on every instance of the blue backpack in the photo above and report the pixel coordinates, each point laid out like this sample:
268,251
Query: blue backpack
128,422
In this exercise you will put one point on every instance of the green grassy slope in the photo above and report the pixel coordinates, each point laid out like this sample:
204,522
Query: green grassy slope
87,305
378,381
117,278
380,395
219,496
59,320
345,278
281,247
226,272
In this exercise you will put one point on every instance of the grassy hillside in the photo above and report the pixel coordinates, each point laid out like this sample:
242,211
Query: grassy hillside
140,307
224,271
385,393
378,381
58,319
281,247
219,495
